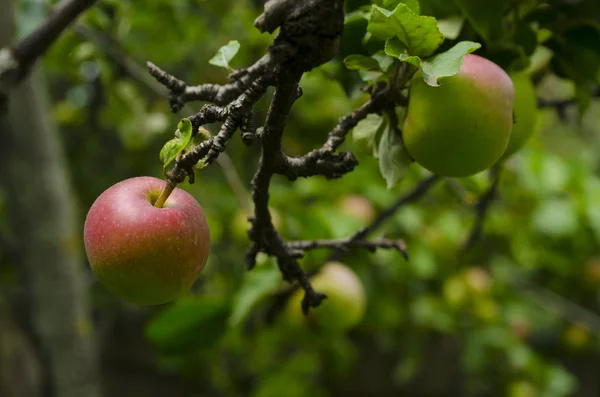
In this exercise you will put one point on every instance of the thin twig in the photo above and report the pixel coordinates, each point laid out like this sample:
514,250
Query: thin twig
30,48
135,70
419,191
481,210
347,243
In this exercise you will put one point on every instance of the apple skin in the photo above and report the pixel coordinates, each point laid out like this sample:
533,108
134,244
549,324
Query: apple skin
463,126
526,113
345,304
141,253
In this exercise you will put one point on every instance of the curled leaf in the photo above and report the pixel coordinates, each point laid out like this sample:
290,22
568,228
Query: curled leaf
175,146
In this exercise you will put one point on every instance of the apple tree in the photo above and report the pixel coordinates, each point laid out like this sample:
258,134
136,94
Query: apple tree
402,196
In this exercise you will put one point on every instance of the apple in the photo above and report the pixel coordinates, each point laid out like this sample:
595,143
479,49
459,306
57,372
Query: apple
522,388
592,271
463,126
526,113
455,291
345,304
141,253
358,208
478,280
576,336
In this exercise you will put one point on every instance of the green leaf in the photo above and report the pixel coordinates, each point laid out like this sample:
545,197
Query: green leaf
447,63
258,284
363,135
393,158
395,48
419,34
451,26
358,15
189,324
360,62
412,4
384,61
485,17
172,148
369,75
225,54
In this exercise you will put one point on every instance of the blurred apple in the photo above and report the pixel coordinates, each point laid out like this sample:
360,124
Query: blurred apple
522,389
576,336
358,207
478,280
455,291
345,304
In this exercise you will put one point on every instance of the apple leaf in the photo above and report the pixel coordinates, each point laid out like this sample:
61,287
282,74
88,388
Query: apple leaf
451,26
225,54
189,324
419,34
395,48
370,75
258,284
360,62
485,17
383,60
447,63
363,135
393,157
172,148
412,4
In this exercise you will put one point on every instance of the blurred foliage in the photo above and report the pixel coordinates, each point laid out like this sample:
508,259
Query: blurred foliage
439,324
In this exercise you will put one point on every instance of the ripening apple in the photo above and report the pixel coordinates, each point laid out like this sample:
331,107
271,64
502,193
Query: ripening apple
478,280
358,207
141,253
345,304
463,126
526,113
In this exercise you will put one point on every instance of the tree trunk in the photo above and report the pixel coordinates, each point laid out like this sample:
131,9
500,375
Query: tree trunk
43,225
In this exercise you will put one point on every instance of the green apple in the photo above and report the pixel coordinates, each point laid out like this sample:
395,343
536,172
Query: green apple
526,113
145,254
345,304
576,336
463,126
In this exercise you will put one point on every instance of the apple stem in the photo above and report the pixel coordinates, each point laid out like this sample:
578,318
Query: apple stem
164,195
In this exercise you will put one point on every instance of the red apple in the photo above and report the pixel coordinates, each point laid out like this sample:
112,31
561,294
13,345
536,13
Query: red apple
142,253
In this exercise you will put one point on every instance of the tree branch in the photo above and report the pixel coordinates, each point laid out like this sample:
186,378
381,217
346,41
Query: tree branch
347,243
323,161
481,210
15,63
136,71
419,191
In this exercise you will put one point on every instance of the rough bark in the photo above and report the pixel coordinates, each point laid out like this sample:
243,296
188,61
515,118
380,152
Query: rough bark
42,222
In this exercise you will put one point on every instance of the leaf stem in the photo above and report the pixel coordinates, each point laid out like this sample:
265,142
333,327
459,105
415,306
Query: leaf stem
164,195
